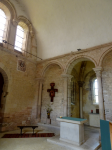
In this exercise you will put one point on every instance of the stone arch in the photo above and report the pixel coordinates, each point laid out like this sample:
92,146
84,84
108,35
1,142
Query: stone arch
103,56
9,9
28,32
11,18
49,64
5,77
26,24
74,60
4,94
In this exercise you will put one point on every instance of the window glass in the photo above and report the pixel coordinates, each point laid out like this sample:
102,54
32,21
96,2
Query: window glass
2,24
96,91
19,38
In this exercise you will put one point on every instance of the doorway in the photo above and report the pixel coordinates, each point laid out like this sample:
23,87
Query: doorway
1,87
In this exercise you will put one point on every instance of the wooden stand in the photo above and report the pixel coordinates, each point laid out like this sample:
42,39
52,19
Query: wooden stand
48,121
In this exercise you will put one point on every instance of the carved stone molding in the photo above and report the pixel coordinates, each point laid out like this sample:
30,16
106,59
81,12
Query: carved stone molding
67,77
49,64
31,30
11,8
40,80
15,22
28,23
98,71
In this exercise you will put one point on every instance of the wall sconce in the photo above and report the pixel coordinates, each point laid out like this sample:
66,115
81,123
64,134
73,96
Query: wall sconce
79,49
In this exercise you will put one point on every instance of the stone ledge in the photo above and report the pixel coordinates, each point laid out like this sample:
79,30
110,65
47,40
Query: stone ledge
91,146
50,127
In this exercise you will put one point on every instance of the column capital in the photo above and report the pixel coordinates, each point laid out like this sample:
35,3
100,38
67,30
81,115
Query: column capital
66,76
40,80
98,71
80,83
15,22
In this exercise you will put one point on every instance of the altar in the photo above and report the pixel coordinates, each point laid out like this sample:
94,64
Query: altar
72,130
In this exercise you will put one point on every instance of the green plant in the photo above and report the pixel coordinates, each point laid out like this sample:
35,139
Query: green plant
48,108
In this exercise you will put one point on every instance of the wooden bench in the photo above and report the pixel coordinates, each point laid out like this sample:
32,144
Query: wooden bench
21,127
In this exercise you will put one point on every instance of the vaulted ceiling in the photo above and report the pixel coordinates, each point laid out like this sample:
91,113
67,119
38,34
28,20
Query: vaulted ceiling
63,26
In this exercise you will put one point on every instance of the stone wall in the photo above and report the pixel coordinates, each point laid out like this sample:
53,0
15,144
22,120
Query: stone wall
19,104
20,92
87,97
67,62
52,75
19,98
107,85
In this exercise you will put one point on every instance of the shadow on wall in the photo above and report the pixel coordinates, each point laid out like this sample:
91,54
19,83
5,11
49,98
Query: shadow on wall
3,95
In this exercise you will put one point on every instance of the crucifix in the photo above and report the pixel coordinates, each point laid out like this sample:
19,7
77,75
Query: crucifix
52,91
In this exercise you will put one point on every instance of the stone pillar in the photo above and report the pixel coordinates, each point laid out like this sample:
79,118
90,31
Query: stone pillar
12,34
80,97
67,103
98,71
37,96
40,83
7,33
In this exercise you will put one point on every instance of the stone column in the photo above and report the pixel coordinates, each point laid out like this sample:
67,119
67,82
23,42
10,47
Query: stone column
98,71
12,34
40,83
7,32
37,96
80,98
67,103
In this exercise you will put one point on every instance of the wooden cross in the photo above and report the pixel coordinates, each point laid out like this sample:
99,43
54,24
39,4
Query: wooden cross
52,91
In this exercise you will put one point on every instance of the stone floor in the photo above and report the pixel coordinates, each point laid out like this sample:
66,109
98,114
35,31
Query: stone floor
38,143
91,140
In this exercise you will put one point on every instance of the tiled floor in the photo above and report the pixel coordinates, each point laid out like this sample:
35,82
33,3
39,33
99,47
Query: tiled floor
38,143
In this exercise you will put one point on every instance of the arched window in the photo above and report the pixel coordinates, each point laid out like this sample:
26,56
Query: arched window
2,24
19,38
95,91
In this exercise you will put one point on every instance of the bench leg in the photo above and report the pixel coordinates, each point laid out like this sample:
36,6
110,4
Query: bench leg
21,130
33,129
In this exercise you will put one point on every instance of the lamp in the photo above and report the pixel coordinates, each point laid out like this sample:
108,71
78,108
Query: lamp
79,49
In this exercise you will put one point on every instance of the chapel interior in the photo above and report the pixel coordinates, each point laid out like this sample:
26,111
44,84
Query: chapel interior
55,61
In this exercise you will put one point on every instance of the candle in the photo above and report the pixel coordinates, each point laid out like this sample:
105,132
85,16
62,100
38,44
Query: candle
91,111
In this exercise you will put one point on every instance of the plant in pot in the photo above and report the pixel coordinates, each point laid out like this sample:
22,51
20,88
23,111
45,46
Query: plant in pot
48,110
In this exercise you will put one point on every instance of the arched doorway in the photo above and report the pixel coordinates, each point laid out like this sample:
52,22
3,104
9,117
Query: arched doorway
3,94
81,96
1,87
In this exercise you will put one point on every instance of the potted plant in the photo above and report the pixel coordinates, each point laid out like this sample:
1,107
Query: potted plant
48,110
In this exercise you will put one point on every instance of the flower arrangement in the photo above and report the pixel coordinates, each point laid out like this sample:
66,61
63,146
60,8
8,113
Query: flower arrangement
48,110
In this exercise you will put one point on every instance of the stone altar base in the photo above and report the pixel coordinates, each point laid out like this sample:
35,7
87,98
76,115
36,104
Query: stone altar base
72,133
91,141
72,130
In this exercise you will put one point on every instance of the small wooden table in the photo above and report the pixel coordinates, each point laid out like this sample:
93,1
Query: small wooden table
21,127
